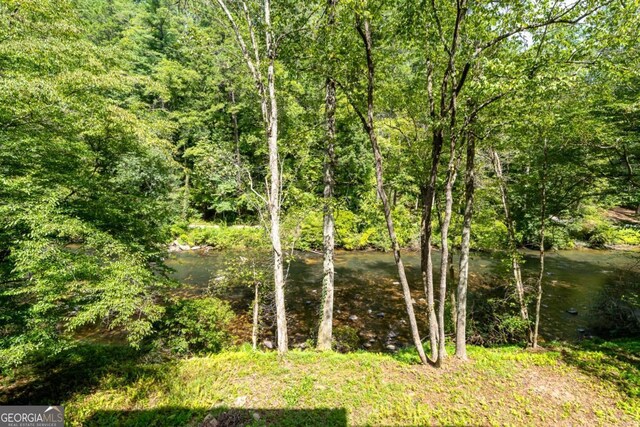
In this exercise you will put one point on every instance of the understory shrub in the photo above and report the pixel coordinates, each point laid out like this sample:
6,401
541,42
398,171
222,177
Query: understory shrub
353,231
594,228
617,308
626,236
494,317
345,339
195,326
489,234
224,237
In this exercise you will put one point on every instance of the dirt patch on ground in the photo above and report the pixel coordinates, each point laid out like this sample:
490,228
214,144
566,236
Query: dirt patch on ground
531,395
623,215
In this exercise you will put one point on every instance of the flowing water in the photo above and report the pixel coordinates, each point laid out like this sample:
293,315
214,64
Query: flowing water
368,297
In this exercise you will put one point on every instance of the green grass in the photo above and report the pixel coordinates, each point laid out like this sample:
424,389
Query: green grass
595,384
614,362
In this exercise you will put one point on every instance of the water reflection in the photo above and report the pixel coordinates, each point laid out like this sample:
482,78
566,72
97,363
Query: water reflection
368,298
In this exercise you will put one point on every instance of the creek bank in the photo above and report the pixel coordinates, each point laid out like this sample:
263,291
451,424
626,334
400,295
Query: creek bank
207,237
176,246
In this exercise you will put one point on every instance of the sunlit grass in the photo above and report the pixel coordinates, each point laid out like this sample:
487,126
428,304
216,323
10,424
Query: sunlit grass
499,386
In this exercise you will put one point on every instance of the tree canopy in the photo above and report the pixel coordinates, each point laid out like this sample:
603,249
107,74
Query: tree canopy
121,120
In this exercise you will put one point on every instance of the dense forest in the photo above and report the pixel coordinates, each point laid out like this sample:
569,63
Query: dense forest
132,128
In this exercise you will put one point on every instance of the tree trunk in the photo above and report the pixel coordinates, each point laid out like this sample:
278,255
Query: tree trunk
543,214
256,316
511,233
452,291
236,141
325,330
461,311
368,123
428,195
274,191
427,279
185,196
452,87
444,261
454,305
269,109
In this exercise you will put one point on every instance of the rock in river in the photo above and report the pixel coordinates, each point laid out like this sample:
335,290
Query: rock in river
572,311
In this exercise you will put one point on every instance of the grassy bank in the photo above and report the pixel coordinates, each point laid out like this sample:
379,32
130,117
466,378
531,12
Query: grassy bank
596,384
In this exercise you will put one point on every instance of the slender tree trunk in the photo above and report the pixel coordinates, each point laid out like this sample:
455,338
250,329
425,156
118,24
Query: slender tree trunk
236,142
428,195
511,233
454,305
543,214
461,312
452,291
256,315
452,269
451,87
274,191
325,330
269,109
444,242
185,197
365,32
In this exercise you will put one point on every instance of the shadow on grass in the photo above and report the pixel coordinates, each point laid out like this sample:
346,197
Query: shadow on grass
219,417
616,362
74,370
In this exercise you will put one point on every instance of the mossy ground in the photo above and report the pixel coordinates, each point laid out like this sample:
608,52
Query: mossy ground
595,384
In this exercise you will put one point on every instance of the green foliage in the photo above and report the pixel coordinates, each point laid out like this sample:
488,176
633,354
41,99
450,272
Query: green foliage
306,228
345,339
495,319
558,237
116,117
594,227
613,361
86,177
196,326
489,235
627,236
224,237
357,231
617,306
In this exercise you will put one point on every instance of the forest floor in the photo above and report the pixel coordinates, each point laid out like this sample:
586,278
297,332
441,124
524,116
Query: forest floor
623,215
594,384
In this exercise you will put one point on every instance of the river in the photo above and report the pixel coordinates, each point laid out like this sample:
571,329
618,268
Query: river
368,297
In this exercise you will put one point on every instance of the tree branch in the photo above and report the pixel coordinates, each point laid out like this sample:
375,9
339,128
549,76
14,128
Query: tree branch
558,19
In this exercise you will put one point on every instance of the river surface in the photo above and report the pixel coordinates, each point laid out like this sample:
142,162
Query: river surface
369,299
